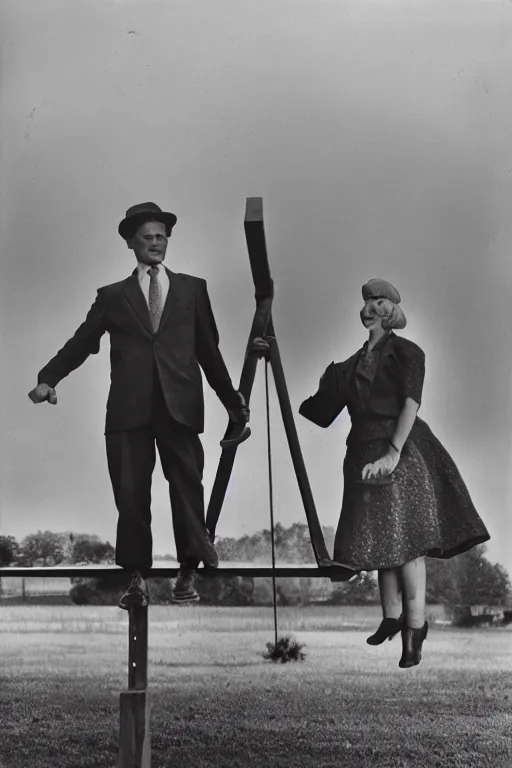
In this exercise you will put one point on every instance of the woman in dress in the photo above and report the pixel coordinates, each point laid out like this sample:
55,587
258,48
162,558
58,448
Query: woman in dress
403,498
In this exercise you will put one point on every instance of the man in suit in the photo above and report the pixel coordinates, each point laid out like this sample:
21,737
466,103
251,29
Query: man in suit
162,329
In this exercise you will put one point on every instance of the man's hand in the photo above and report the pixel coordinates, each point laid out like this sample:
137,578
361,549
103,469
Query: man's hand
383,466
43,392
242,415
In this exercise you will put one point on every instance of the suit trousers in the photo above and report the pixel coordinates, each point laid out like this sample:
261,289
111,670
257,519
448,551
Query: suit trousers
131,459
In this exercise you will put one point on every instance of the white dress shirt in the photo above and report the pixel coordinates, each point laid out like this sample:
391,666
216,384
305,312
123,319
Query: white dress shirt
144,279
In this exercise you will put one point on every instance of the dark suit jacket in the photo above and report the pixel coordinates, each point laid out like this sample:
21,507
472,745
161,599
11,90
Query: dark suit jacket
186,338
400,374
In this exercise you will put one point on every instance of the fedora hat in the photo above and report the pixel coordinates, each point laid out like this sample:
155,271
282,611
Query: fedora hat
138,214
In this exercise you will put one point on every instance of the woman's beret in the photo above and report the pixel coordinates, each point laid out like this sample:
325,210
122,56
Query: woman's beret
381,289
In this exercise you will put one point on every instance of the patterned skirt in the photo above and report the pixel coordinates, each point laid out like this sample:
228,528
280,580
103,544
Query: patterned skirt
422,509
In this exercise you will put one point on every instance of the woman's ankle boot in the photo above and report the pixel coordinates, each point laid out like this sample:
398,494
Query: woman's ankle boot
387,630
412,640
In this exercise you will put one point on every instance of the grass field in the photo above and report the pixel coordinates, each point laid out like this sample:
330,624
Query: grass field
216,702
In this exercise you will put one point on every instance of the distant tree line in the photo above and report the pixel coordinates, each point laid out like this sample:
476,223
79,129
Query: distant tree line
46,548
468,579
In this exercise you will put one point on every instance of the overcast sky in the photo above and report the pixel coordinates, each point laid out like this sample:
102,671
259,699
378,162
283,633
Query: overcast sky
378,135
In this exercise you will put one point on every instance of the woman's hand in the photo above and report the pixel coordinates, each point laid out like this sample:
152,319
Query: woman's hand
383,466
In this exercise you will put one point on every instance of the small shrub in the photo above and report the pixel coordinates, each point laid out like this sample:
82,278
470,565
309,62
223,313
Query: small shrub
286,649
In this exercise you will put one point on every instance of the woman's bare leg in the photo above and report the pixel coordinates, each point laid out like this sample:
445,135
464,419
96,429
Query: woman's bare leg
414,584
390,593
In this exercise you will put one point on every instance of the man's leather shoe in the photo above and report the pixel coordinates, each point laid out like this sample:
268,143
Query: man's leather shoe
183,591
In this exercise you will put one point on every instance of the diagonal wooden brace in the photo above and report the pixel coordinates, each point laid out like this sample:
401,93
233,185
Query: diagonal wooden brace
315,529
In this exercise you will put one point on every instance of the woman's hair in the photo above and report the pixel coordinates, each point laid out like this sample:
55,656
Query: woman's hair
391,314
395,317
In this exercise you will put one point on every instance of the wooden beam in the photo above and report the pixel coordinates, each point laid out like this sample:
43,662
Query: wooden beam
264,571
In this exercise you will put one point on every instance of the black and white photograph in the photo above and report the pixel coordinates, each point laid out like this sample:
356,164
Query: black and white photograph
255,487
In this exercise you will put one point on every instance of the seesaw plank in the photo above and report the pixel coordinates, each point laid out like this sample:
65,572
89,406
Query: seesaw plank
309,570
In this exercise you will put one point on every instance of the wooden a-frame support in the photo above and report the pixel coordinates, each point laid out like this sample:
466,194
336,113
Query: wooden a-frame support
266,346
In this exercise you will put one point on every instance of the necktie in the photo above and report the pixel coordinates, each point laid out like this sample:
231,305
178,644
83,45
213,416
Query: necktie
155,304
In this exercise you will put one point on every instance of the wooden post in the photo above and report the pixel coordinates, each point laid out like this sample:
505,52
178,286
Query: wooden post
138,649
134,730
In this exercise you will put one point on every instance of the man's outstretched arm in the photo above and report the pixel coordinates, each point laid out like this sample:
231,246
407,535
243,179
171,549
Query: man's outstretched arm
85,342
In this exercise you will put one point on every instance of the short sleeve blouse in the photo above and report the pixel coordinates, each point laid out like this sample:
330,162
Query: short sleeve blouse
413,373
